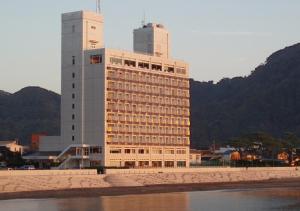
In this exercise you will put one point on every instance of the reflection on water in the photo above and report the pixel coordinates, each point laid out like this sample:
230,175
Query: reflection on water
263,199
156,202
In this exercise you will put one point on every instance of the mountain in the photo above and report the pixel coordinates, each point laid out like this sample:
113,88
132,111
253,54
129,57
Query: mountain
3,93
268,100
30,110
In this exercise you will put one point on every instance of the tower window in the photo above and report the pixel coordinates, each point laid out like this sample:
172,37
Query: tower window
73,60
73,106
95,59
73,28
73,86
73,138
73,96
73,116
73,127
73,75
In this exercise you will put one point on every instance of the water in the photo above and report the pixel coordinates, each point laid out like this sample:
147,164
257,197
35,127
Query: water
262,199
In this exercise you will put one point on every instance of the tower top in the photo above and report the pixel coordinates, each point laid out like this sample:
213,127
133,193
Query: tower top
98,6
153,39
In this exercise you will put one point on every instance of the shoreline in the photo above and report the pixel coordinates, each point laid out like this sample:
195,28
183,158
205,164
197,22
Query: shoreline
150,189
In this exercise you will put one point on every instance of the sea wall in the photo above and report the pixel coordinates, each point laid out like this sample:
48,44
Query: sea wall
36,180
211,175
195,170
47,172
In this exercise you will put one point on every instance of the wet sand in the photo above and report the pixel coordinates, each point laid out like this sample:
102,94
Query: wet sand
150,189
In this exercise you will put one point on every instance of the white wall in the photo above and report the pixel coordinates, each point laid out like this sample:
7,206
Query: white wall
88,29
50,143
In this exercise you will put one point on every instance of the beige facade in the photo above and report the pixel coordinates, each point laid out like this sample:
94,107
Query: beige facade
195,157
147,110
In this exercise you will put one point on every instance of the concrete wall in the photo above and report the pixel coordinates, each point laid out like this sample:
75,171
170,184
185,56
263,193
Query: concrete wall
80,31
195,170
50,143
94,122
46,172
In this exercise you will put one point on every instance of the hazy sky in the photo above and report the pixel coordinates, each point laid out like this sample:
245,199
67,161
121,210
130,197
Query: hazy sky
219,38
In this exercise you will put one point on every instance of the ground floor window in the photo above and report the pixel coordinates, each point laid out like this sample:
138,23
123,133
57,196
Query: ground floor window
169,164
95,163
115,163
96,150
181,163
156,164
130,164
143,163
86,151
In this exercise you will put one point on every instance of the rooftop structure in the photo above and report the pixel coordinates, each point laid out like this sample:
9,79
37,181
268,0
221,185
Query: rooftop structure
152,39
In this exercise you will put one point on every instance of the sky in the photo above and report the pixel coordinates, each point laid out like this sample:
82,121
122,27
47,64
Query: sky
218,38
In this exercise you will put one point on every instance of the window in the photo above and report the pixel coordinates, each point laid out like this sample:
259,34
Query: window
73,116
142,151
169,151
127,151
156,164
73,75
73,60
169,164
169,69
115,151
181,151
181,71
73,96
73,106
116,61
73,85
96,150
73,138
156,67
73,127
181,163
156,151
130,63
143,163
93,27
95,59
73,28
143,65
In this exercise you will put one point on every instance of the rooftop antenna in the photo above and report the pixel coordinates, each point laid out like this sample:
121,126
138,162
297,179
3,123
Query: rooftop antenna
98,6
144,19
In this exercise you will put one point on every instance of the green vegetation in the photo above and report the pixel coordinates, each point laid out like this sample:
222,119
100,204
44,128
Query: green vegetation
268,100
12,159
30,110
289,141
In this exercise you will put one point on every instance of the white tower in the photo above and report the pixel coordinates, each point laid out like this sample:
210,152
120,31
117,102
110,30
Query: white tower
152,39
81,31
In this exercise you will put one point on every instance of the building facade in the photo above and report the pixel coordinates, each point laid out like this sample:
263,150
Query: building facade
121,108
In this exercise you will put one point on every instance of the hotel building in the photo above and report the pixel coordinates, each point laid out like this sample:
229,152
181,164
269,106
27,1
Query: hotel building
119,108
